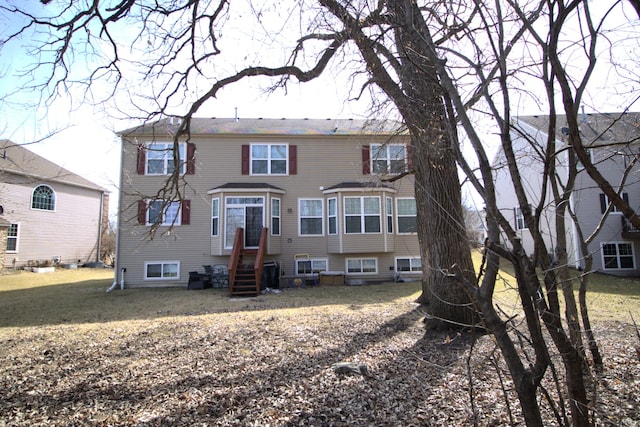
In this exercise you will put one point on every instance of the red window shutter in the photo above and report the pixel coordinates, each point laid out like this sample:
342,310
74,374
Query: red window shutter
366,169
142,212
245,159
142,159
191,158
186,212
410,157
293,159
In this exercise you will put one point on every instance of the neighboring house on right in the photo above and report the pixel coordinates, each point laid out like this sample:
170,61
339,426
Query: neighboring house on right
614,142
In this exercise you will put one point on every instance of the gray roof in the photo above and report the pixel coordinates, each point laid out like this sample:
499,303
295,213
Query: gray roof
18,160
221,126
362,184
247,185
600,128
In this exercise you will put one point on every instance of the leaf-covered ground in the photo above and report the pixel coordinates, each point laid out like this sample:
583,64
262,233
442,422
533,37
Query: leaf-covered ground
264,366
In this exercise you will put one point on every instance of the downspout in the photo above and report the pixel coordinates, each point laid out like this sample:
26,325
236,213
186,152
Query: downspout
577,253
115,281
117,259
100,226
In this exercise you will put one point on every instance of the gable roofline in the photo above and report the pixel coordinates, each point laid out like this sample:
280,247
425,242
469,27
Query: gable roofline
18,160
168,127
595,128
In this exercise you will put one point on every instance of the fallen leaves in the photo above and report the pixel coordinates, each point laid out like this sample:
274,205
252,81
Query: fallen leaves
273,367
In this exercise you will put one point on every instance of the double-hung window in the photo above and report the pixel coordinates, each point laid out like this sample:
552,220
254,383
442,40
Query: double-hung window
389,212
605,202
311,217
269,159
215,217
618,256
519,217
160,159
407,216
388,158
275,217
163,212
362,215
12,238
332,215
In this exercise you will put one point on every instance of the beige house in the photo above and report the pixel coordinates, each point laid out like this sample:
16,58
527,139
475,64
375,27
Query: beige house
310,196
51,214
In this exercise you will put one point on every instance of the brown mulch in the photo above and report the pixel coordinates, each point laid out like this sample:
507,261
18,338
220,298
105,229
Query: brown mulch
262,367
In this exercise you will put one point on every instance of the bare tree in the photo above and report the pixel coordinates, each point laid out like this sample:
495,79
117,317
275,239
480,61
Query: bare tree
538,27
385,36
436,62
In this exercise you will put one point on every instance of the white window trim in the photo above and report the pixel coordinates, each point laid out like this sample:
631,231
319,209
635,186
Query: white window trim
164,223
579,165
312,260
215,215
614,209
335,216
363,215
361,273
229,203
398,216
268,159
279,216
388,216
387,147
147,263
183,162
602,256
519,217
17,238
53,195
411,271
300,217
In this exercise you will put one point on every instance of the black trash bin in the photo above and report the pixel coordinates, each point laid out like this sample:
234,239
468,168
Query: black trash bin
270,275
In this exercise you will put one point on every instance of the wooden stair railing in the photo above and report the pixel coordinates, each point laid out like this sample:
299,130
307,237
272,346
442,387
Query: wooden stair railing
236,257
243,280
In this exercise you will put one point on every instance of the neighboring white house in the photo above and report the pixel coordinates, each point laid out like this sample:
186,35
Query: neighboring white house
52,215
613,140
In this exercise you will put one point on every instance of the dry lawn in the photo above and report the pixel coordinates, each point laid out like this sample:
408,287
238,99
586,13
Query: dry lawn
73,355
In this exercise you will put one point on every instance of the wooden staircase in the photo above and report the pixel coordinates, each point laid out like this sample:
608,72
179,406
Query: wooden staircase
244,278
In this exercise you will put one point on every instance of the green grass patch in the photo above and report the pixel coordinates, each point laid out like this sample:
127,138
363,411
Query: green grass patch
79,296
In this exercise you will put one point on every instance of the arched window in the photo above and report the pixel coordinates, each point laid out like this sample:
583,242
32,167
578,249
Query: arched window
43,198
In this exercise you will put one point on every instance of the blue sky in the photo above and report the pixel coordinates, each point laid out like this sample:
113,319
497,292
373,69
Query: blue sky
83,138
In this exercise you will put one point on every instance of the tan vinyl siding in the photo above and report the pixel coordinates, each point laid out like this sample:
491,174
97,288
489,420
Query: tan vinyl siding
322,161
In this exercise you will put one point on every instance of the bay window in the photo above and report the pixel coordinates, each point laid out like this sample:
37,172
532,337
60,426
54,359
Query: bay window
362,215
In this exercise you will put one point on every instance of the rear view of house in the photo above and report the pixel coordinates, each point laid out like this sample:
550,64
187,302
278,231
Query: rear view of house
310,196
50,214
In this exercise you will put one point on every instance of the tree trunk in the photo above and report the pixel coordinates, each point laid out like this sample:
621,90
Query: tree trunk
445,250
